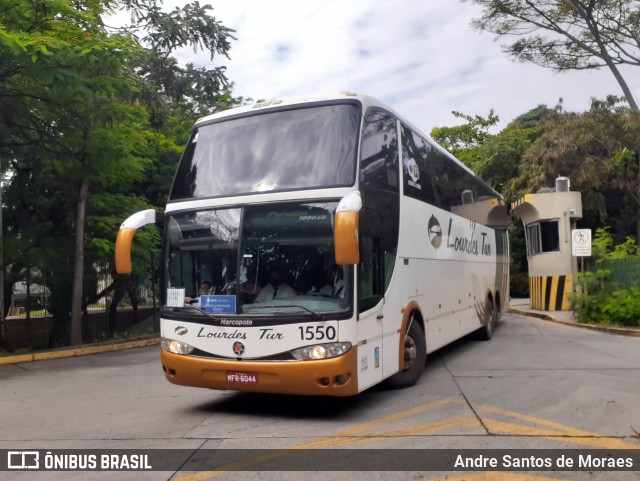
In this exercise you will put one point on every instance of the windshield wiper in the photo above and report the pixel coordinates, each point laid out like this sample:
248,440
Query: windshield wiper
316,315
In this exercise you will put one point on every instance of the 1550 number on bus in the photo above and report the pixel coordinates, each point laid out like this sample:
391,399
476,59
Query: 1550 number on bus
318,333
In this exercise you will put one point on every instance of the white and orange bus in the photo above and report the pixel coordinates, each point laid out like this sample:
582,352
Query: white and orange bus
320,246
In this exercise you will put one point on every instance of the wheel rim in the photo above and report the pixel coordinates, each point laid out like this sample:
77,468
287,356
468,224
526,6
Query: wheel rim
492,318
410,352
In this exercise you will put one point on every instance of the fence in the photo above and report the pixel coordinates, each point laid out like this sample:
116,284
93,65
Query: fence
624,272
38,308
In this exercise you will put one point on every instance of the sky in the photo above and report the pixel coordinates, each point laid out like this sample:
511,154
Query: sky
420,57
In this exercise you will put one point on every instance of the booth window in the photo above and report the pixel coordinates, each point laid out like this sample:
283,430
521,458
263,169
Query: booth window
543,236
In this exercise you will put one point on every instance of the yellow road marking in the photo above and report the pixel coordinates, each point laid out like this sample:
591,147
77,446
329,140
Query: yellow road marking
399,415
469,421
532,419
347,436
567,433
355,435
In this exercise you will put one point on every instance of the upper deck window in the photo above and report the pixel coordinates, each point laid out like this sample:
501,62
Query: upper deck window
302,148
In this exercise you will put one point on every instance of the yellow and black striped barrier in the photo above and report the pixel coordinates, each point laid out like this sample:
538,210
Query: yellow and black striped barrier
550,293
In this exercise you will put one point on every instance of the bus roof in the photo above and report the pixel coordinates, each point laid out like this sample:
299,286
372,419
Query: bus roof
365,100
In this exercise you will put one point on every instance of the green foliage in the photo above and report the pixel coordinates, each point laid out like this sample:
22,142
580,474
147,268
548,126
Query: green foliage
518,265
533,117
499,158
604,305
463,140
598,150
166,87
601,298
602,242
92,120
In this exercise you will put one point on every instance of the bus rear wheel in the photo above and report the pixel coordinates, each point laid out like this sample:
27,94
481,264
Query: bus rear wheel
485,333
415,357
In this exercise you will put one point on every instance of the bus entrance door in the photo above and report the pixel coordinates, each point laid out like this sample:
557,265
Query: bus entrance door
370,346
370,309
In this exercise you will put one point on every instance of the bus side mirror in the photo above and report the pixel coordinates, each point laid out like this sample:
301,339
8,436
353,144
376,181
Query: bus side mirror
345,229
127,232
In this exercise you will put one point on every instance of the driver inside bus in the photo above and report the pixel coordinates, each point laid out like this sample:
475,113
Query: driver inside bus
203,290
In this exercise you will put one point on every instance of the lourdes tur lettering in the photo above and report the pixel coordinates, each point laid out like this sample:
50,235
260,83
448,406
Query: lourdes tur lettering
268,334
470,245
265,333
221,334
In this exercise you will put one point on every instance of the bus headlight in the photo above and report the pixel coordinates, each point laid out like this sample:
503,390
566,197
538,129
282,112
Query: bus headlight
321,351
176,347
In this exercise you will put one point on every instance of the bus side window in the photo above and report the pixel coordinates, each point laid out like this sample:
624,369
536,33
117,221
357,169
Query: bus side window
379,152
420,176
379,218
371,275
369,293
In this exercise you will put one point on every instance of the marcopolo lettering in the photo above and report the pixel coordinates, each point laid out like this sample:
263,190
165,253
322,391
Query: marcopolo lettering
236,322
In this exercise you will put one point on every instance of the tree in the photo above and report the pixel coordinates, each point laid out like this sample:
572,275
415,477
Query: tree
91,119
568,34
499,158
493,157
164,83
464,140
534,116
599,150
78,101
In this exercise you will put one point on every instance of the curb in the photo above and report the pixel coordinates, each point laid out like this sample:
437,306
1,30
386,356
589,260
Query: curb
624,331
80,351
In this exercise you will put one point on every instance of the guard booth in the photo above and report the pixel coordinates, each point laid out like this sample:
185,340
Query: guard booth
549,217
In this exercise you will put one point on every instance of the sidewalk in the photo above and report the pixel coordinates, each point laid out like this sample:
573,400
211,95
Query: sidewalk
83,350
523,307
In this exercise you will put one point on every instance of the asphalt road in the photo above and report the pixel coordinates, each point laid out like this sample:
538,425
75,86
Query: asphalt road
537,385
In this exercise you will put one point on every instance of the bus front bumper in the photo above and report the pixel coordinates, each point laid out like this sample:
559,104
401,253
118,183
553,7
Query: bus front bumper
329,377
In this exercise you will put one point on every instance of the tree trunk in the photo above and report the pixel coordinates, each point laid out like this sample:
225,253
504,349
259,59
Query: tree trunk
76,300
623,85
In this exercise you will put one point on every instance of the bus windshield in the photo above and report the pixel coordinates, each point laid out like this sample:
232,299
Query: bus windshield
309,147
260,259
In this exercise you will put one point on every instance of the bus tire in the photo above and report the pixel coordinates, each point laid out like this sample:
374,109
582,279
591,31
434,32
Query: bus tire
415,357
485,333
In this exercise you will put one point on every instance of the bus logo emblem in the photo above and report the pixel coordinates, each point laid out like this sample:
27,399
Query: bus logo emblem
181,330
238,348
412,169
435,232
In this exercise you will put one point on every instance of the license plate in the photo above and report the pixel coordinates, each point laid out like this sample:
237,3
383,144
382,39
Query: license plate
242,377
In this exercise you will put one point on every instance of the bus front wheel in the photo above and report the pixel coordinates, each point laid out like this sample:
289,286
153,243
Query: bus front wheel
415,357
